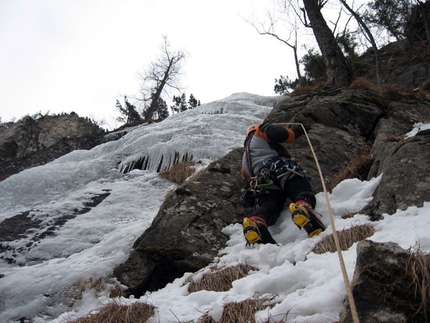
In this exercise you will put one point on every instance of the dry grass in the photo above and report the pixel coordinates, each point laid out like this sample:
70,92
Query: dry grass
394,138
364,83
116,292
219,280
357,167
75,292
419,266
308,88
179,172
390,91
243,312
206,318
394,91
116,313
90,283
421,93
95,284
346,238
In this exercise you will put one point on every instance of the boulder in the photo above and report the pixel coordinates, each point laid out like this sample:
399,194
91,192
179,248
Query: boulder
382,286
186,234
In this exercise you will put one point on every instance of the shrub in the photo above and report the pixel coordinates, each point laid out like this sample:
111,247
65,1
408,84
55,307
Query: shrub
179,172
357,167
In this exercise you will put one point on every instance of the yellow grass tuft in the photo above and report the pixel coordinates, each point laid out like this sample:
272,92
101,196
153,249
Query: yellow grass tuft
419,266
116,313
243,311
390,91
346,238
394,138
364,83
356,167
179,172
219,280
308,88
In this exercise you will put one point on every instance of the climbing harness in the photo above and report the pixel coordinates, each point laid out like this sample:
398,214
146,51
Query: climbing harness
335,236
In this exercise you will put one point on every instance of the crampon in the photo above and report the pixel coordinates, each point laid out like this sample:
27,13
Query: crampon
255,231
306,218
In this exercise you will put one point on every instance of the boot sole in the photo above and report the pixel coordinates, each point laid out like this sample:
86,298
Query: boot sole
308,221
251,232
300,220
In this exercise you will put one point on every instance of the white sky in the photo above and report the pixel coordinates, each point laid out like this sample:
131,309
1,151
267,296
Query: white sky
82,55
309,287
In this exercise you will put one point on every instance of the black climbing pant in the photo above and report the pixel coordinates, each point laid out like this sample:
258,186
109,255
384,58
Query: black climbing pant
271,202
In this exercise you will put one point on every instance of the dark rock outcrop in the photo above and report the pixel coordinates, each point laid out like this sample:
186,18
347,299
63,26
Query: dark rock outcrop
33,142
404,162
186,234
401,62
382,286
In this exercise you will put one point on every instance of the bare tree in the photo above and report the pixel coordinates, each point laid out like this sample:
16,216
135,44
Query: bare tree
424,7
369,37
338,71
389,15
162,74
292,43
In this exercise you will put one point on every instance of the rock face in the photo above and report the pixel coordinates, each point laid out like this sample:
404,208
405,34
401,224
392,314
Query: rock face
33,142
404,163
382,286
186,234
400,63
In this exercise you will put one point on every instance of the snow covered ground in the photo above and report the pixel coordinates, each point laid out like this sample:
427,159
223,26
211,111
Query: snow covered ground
309,286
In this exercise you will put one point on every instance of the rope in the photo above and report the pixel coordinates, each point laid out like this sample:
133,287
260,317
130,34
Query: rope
335,236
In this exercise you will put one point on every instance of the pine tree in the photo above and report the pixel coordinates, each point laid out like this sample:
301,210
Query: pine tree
162,112
193,102
129,112
183,105
180,103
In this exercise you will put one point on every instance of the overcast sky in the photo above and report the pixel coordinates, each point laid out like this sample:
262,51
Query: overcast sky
83,55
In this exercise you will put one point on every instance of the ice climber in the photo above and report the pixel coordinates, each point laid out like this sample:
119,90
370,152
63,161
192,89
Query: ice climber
274,177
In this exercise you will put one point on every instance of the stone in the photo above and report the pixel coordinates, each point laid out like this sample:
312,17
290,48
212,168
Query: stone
382,285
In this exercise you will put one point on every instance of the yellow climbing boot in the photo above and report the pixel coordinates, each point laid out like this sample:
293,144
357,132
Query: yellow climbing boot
304,217
255,231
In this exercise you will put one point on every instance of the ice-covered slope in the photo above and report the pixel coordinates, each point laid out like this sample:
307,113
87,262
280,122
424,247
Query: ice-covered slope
65,239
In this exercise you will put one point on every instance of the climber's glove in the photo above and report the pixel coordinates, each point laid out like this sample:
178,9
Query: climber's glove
299,131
